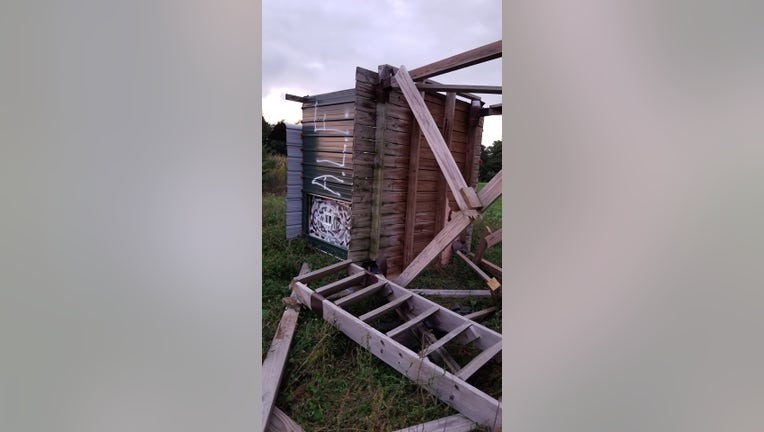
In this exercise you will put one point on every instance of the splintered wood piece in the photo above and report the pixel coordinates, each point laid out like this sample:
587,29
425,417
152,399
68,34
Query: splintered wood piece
361,294
376,313
481,359
447,338
341,284
412,322
454,423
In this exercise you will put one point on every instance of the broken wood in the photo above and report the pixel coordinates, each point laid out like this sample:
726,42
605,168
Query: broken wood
275,358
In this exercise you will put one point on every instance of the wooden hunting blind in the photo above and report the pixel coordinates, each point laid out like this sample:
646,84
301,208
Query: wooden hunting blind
382,171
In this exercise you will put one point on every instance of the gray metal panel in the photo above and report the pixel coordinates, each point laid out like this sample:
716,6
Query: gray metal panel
294,181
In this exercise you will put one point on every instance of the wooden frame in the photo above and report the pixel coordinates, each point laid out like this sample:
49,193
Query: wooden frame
451,388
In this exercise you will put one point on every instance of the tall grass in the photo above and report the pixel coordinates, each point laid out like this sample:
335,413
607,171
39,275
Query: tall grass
274,173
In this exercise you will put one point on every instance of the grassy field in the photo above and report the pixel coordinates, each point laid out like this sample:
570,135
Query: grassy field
330,383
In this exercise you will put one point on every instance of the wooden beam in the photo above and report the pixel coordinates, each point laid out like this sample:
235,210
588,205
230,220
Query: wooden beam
491,110
439,147
462,396
479,361
442,213
442,240
275,358
411,194
294,98
408,325
379,163
454,423
493,284
459,88
468,58
378,312
491,191
475,316
491,267
281,422
452,293
325,271
446,338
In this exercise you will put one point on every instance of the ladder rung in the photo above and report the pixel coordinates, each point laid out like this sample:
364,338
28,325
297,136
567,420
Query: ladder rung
478,362
361,294
340,284
318,274
412,322
369,316
447,338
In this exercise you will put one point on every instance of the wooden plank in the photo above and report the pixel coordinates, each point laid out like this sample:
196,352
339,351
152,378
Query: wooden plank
281,422
408,325
491,191
275,358
473,266
452,293
468,58
324,271
447,338
454,423
378,312
442,213
478,315
443,239
379,170
462,396
491,268
479,361
339,285
439,147
459,88
361,294
294,98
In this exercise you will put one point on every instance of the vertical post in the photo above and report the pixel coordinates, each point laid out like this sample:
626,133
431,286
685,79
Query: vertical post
442,213
385,72
411,193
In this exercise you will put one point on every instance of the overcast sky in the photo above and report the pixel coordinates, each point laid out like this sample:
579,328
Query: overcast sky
314,47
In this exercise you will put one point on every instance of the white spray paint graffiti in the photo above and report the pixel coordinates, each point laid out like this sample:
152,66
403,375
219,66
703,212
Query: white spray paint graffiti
317,180
330,221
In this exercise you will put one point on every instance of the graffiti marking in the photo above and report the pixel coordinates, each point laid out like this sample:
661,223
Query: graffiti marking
317,181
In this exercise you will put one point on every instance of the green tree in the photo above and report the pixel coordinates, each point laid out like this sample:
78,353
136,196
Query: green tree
490,161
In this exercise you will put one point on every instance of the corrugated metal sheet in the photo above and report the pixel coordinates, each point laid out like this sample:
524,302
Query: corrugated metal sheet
294,198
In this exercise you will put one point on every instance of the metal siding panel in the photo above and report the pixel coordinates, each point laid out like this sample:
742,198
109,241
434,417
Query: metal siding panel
294,181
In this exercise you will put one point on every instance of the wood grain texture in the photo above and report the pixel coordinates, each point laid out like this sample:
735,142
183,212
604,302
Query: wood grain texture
275,358
468,58
435,140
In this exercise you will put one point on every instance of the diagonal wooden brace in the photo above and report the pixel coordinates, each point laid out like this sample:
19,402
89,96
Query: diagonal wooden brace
465,196
442,240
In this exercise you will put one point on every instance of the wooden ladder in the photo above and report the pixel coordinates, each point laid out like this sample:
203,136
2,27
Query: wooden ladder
374,298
